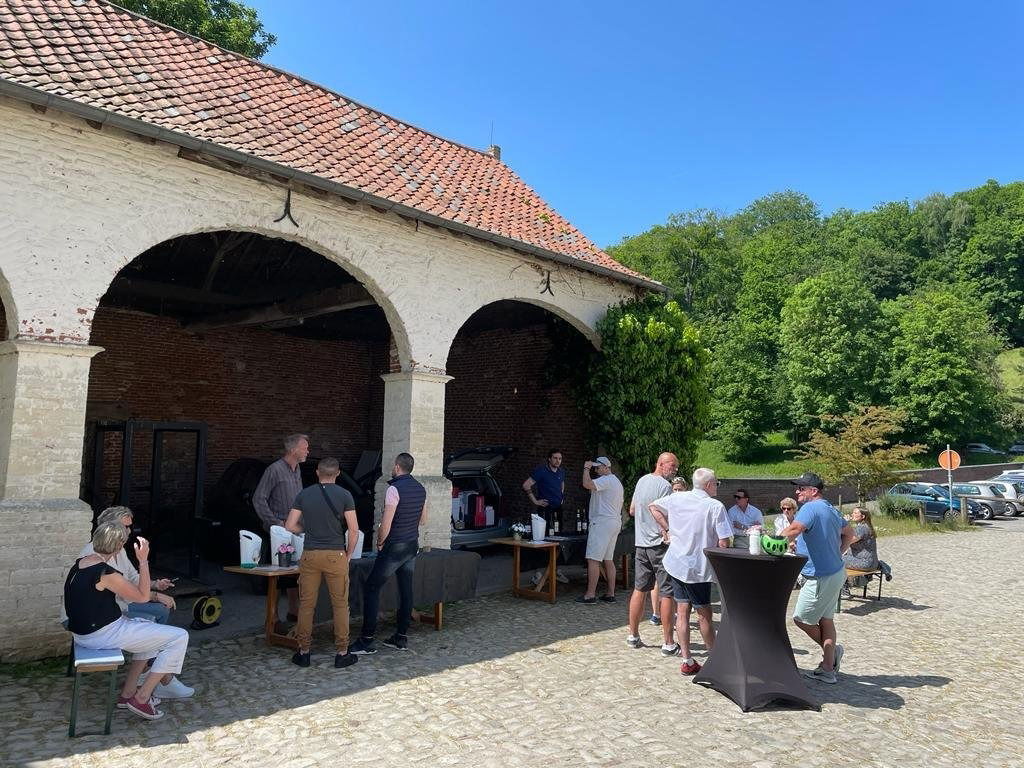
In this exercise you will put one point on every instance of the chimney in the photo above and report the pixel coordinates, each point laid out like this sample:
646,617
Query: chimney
494,151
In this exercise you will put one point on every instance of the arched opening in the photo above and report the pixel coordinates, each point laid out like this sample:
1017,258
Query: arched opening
512,365
251,337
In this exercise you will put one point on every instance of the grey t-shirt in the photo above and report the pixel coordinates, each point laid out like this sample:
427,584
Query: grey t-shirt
324,529
649,488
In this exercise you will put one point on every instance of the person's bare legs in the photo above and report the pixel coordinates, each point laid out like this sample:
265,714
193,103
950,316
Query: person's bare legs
667,616
593,572
609,575
636,607
683,628
654,603
131,681
707,626
824,634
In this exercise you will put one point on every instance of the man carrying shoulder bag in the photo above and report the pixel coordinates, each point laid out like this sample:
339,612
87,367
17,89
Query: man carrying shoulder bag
323,512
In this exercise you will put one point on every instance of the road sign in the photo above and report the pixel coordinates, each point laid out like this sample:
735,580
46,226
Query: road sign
949,459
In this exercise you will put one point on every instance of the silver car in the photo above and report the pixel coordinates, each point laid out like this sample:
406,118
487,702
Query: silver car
1011,489
984,493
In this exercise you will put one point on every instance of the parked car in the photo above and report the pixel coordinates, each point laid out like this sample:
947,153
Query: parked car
1016,449
1013,492
984,448
936,501
478,513
984,493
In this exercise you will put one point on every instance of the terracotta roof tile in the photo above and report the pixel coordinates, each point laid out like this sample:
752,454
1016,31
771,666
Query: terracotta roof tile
105,57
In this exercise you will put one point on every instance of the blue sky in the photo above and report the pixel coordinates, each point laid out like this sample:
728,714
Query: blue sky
621,114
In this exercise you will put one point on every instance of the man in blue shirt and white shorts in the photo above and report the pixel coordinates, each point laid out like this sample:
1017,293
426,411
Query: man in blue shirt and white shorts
822,535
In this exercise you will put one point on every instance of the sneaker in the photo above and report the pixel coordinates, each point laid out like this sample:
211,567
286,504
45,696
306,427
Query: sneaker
634,641
535,579
670,650
122,701
586,600
300,659
819,674
655,619
363,647
173,690
690,667
342,660
397,641
839,657
561,577
146,710
607,598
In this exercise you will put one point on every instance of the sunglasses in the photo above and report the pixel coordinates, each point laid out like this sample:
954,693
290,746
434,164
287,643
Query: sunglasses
788,509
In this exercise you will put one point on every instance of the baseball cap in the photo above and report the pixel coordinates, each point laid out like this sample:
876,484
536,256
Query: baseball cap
603,460
809,479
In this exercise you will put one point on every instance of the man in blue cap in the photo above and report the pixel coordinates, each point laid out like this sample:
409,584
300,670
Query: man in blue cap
822,535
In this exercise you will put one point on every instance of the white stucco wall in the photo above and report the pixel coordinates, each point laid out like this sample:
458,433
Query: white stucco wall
80,202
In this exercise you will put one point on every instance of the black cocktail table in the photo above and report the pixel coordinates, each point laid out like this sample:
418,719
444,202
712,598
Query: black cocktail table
752,661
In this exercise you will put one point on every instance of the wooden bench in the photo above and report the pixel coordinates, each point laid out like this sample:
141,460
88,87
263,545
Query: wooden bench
853,573
88,660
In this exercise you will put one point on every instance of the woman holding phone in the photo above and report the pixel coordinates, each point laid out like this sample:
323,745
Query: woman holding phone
95,619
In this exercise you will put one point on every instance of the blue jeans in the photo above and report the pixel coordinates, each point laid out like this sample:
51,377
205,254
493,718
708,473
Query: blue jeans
399,559
156,612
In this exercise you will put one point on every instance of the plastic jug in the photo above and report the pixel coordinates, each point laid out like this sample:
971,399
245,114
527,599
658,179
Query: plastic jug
249,545
540,526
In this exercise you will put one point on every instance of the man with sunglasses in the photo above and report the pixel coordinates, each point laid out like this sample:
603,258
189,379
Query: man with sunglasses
743,515
822,535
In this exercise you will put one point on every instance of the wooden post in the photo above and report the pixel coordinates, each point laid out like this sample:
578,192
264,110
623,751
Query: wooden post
920,514
963,511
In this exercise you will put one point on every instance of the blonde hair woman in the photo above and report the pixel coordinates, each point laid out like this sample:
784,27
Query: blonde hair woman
94,617
787,511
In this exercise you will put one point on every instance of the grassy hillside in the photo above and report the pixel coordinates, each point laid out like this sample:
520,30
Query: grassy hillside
1011,367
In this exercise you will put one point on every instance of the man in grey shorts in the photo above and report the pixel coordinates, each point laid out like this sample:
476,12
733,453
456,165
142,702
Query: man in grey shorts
650,550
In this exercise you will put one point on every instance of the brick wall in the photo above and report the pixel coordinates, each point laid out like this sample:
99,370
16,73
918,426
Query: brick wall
251,387
498,397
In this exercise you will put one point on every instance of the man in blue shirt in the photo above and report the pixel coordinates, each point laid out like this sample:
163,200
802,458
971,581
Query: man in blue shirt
546,488
822,535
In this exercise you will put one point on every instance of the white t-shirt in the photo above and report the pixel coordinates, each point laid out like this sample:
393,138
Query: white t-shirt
648,488
742,520
695,521
606,499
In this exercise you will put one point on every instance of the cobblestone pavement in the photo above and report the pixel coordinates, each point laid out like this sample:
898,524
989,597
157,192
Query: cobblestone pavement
932,677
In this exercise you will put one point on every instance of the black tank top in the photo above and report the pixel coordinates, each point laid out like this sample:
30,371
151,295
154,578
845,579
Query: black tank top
89,608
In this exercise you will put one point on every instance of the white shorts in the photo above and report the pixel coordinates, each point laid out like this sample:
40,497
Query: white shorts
144,639
601,538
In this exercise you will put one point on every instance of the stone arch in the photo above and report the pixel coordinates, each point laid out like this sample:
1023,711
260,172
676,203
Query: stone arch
122,254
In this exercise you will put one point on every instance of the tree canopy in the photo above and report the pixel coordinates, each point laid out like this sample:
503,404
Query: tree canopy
906,305
647,389
227,23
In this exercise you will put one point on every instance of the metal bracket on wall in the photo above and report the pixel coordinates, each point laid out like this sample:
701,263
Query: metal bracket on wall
287,211
547,284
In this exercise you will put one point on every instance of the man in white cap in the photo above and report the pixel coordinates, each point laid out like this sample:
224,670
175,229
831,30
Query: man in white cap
605,512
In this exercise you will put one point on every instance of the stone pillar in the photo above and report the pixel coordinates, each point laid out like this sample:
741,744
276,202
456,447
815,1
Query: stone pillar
43,524
414,423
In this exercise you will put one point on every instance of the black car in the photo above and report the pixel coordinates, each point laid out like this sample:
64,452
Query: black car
477,510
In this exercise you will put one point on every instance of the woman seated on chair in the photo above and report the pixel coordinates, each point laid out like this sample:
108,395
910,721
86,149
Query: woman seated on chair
94,617
863,552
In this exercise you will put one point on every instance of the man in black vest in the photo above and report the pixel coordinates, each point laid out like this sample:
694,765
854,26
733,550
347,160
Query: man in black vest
405,510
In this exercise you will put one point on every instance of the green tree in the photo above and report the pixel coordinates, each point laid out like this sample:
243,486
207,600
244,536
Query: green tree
942,366
856,448
647,389
831,339
227,23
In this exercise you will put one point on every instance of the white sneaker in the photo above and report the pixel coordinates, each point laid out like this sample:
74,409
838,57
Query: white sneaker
535,579
561,577
839,657
821,675
173,690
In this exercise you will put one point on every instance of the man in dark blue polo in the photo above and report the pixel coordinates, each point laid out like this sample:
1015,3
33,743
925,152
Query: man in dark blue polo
405,510
546,488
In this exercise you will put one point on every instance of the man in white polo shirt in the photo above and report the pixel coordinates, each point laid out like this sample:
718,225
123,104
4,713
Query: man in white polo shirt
605,512
693,521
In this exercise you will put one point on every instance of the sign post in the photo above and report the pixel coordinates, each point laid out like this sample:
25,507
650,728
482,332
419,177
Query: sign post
950,460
